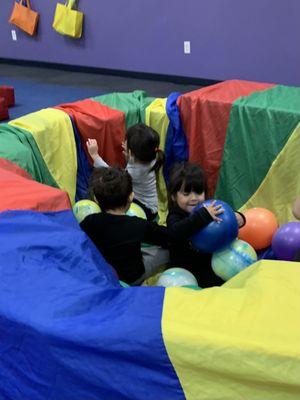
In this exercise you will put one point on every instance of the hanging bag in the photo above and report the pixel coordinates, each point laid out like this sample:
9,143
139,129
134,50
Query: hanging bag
68,20
24,17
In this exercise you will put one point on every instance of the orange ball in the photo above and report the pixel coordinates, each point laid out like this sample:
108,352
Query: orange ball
261,224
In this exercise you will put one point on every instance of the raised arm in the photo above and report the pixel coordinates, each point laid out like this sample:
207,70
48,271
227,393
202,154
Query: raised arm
92,147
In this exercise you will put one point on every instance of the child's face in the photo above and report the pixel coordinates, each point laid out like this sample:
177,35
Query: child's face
188,201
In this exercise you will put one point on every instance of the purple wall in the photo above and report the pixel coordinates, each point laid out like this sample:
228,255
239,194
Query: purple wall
255,40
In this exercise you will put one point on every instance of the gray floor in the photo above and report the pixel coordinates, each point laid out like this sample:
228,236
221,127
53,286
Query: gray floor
105,83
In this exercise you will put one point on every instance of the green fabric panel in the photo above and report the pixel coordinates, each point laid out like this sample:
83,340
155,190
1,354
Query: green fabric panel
17,145
132,104
259,126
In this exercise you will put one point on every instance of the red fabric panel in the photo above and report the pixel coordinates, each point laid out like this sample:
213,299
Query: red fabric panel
97,121
205,116
20,192
8,93
3,109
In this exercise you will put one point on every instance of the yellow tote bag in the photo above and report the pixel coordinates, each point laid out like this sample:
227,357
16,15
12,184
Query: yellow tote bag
67,20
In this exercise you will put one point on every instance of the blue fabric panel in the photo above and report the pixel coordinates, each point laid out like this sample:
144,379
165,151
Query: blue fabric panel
68,331
176,148
84,169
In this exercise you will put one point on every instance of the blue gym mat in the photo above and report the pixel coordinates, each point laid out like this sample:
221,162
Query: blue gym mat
32,96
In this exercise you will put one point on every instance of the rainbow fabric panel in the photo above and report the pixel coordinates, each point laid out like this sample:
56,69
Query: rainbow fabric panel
157,118
18,145
69,330
240,340
133,105
205,115
281,182
176,146
53,133
20,192
97,121
236,130
259,128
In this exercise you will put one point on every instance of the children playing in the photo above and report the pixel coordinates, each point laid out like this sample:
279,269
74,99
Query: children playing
144,159
187,188
119,236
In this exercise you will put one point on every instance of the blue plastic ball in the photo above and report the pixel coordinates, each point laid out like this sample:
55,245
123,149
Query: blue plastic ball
216,235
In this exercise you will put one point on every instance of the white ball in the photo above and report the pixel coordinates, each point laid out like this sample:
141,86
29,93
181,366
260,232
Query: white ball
176,277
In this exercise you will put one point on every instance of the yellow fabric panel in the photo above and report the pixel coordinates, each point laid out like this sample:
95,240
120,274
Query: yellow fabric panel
281,185
239,341
157,118
53,132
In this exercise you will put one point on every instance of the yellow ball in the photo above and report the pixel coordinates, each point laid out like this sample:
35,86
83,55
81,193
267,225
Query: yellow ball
83,208
136,211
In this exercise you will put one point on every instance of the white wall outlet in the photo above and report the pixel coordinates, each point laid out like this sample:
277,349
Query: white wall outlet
187,47
14,35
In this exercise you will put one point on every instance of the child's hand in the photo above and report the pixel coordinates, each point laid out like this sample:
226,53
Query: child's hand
214,211
125,150
92,147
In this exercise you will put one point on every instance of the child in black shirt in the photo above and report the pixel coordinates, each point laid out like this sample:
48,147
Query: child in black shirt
187,188
118,236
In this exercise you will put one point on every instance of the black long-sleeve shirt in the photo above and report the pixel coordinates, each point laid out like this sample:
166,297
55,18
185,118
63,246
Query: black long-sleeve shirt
119,238
181,226
297,256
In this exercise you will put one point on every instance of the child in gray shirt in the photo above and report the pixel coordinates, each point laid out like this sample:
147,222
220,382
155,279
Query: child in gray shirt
144,158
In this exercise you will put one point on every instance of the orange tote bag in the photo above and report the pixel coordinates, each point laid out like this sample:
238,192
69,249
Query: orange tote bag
24,17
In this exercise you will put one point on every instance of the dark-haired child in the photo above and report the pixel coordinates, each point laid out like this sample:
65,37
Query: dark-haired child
187,188
118,236
144,159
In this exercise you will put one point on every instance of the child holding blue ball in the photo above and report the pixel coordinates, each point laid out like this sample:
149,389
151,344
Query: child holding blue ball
187,188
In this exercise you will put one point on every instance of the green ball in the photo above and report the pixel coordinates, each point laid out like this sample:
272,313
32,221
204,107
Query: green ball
232,259
124,284
83,208
136,211
192,287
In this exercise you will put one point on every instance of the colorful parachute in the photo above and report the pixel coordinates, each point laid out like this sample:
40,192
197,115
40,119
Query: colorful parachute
239,132
68,329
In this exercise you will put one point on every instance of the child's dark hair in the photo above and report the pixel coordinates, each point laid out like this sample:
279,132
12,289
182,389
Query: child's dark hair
186,177
111,187
143,142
